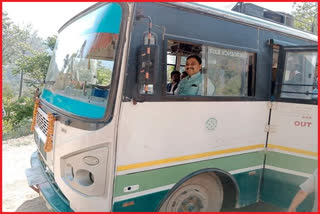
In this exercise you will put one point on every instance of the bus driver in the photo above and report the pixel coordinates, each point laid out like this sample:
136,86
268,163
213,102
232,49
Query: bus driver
193,84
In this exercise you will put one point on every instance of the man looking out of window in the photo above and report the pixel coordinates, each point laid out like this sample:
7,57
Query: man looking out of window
194,83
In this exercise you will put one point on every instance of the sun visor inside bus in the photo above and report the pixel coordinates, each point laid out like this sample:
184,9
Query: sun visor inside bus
106,19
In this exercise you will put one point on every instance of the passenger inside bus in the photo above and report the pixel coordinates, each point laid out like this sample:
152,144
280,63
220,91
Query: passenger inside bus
223,71
295,76
294,80
183,75
193,84
173,85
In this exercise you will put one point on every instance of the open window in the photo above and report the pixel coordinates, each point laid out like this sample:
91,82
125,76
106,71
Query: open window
297,77
229,72
177,54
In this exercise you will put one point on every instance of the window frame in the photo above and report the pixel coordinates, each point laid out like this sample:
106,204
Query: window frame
89,123
281,72
165,97
174,65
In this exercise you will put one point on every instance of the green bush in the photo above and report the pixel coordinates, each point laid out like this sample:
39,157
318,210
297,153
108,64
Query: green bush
21,129
18,117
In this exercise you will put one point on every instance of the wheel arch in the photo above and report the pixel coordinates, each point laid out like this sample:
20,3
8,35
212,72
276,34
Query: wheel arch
229,185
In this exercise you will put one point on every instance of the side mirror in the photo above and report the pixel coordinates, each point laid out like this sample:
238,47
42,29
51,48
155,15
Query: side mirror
148,62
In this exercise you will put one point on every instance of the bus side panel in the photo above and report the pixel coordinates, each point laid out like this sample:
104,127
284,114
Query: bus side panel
291,158
279,188
154,184
154,136
280,185
162,130
159,143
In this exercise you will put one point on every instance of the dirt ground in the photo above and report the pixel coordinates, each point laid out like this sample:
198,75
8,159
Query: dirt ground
17,196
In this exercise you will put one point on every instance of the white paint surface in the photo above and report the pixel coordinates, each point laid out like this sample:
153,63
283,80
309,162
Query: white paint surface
158,130
287,133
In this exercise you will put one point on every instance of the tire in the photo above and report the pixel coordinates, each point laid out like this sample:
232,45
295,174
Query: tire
201,193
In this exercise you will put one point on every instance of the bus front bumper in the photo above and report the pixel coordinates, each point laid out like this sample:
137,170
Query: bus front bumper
41,181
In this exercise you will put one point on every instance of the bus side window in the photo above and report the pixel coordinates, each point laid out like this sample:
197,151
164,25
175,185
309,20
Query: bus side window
300,76
224,72
171,65
231,71
314,95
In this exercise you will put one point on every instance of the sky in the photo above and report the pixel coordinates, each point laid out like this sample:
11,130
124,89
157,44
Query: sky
47,17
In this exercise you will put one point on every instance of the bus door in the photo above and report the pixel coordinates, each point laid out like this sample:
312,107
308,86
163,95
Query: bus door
291,154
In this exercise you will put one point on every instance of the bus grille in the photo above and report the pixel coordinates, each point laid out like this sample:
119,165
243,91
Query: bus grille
41,149
42,121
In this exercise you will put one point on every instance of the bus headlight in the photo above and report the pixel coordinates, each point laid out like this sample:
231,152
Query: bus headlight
69,172
90,160
84,177
86,171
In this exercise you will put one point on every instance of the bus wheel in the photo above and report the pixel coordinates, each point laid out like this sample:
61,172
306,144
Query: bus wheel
201,193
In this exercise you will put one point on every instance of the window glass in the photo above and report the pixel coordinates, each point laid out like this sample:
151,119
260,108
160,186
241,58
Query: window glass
228,70
171,59
182,69
183,60
223,72
170,68
171,64
300,78
79,75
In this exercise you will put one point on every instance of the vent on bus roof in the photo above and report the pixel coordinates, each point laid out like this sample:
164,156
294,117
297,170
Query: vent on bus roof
263,13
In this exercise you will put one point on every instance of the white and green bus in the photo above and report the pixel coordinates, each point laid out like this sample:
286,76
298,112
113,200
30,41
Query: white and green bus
110,137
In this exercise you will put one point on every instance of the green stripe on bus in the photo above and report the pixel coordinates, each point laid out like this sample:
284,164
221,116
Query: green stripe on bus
170,175
248,185
145,203
279,188
291,162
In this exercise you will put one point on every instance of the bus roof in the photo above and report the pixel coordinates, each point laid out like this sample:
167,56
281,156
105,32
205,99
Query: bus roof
243,18
230,15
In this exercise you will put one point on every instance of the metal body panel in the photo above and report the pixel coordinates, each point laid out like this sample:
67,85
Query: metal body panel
85,141
239,17
292,153
46,186
297,119
70,145
74,145
181,126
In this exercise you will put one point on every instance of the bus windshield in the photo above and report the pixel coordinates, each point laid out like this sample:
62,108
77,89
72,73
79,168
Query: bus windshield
79,75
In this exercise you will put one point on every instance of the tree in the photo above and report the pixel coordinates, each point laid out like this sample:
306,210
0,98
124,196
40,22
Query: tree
23,53
17,40
18,44
306,16
51,42
13,40
104,74
34,67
